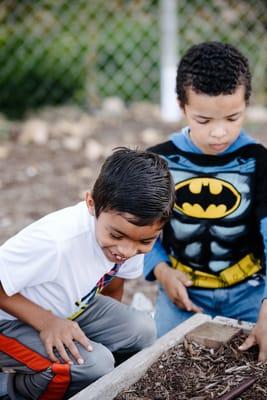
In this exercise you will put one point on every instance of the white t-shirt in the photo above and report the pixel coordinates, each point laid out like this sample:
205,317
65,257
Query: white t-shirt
56,261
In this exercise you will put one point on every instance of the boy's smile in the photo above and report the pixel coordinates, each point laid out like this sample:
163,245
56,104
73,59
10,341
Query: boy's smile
215,121
120,239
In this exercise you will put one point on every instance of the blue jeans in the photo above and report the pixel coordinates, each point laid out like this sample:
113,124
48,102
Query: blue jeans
241,302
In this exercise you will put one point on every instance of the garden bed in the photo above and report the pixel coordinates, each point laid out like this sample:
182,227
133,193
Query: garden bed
173,344
129,372
192,371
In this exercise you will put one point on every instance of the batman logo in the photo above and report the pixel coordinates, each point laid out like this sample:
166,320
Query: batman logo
206,198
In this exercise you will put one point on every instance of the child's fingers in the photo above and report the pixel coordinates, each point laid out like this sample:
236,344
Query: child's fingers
249,342
48,344
182,297
183,278
195,308
190,306
51,354
62,352
80,337
187,304
263,355
75,352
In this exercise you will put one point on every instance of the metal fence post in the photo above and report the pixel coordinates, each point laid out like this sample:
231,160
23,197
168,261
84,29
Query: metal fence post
168,60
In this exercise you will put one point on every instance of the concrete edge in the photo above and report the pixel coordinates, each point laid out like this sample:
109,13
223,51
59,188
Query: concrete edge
246,326
122,377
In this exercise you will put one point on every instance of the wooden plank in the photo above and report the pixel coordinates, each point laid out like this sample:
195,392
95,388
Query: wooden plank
211,334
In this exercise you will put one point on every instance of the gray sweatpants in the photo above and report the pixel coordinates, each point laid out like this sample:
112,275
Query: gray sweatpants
111,327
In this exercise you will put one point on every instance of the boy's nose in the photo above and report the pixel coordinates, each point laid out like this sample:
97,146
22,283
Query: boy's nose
218,132
127,251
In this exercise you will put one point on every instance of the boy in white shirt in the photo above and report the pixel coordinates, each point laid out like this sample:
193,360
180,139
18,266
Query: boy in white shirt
56,331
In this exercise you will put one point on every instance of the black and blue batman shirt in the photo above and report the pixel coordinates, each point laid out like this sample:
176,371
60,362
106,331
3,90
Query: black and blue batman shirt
218,231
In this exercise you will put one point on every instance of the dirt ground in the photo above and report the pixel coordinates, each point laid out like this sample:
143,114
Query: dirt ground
36,179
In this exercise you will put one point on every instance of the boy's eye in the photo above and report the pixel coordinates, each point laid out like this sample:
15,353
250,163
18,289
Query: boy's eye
203,122
117,237
232,119
147,242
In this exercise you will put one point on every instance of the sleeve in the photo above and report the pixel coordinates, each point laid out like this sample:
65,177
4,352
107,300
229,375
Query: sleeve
153,258
261,184
263,227
30,258
132,268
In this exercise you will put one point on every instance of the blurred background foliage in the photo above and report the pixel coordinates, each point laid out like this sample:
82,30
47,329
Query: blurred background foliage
57,51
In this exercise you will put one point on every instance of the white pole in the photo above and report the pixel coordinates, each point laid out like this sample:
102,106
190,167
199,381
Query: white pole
168,21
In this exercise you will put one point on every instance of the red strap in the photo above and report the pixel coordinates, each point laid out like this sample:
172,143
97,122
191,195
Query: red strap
23,354
61,379
59,384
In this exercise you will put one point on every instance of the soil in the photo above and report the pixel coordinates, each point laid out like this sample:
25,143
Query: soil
193,372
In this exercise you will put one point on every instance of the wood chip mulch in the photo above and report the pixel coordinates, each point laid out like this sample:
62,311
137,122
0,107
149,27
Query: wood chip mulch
190,371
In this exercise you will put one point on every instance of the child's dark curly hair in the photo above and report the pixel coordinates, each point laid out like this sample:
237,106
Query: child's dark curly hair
212,68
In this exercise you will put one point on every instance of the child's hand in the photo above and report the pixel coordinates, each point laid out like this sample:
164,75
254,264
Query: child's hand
60,334
175,283
258,335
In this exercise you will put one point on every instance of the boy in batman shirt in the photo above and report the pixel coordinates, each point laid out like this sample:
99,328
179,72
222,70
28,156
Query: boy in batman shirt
211,257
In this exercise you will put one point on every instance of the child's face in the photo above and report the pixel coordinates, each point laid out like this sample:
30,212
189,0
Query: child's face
215,121
119,238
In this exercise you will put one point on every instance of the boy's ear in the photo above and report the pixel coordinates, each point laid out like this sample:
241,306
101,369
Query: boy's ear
90,203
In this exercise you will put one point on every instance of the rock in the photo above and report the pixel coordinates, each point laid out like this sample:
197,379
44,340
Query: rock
142,303
72,143
88,125
145,111
54,144
150,136
4,223
131,138
52,114
94,150
31,171
4,152
83,128
85,173
63,128
34,131
113,106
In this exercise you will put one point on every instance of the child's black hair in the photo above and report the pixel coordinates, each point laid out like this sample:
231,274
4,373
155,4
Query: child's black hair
212,68
135,182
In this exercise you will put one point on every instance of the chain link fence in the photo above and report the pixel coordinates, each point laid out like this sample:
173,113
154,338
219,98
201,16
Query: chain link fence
60,51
